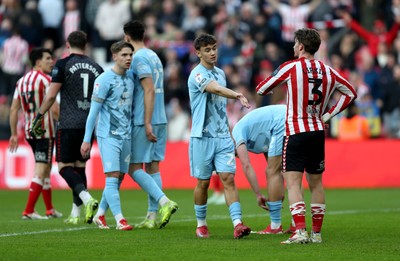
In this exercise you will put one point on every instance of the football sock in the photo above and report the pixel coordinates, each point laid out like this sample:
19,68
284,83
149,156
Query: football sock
76,199
163,200
85,196
112,195
118,217
151,215
34,193
82,173
201,213
235,212
318,213
103,205
76,210
153,203
298,211
75,182
46,193
149,185
275,213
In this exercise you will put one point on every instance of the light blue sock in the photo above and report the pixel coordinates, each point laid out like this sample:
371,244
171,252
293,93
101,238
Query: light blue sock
201,211
149,186
235,211
112,195
103,202
275,211
153,203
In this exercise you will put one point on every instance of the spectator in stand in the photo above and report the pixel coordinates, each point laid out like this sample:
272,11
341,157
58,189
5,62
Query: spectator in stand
353,127
229,50
29,93
52,12
178,121
347,49
192,21
370,72
379,33
390,83
110,19
15,56
31,24
171,12
294,15
5,132
72,18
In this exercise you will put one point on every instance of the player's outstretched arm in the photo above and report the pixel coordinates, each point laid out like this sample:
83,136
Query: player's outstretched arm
214,87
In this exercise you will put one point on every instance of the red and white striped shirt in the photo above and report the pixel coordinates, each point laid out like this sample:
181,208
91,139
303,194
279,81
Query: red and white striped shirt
30,91
310,84
15,54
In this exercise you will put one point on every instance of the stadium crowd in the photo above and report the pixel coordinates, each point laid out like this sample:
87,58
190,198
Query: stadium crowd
359,39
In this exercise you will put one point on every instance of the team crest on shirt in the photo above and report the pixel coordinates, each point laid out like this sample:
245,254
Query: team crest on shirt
54,72
198,77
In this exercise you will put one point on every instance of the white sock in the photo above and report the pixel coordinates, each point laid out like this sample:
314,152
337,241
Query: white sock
76,210
236,222
275,225
201,223
100,212
163,200
85,197
119,217
151,215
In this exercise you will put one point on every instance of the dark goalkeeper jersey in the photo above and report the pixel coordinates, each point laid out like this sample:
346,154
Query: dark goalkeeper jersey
77,74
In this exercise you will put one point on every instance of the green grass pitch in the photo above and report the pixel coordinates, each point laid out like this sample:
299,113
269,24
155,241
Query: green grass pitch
359,225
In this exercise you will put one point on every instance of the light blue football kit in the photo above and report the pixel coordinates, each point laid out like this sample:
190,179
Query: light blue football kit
210,131
211,146
112,103
146,64
262,130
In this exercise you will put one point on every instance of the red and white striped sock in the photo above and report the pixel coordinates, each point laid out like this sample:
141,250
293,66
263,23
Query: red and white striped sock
34,193
46,193
318,213
298,211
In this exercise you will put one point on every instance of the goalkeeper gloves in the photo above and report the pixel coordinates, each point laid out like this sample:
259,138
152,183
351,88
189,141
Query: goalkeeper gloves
36,130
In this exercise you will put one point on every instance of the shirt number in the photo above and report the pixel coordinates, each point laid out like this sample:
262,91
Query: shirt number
317,94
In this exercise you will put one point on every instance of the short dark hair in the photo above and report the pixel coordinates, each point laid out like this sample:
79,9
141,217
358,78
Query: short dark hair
77,39
135,30
309,38
204,40
118,46
37,54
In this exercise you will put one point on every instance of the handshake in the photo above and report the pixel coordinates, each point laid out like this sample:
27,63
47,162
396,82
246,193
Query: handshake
36,129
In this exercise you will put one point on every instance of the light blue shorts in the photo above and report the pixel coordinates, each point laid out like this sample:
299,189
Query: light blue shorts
144,151
209,154
115,154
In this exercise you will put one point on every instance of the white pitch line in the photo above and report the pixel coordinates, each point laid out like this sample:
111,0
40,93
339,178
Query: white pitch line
191,219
